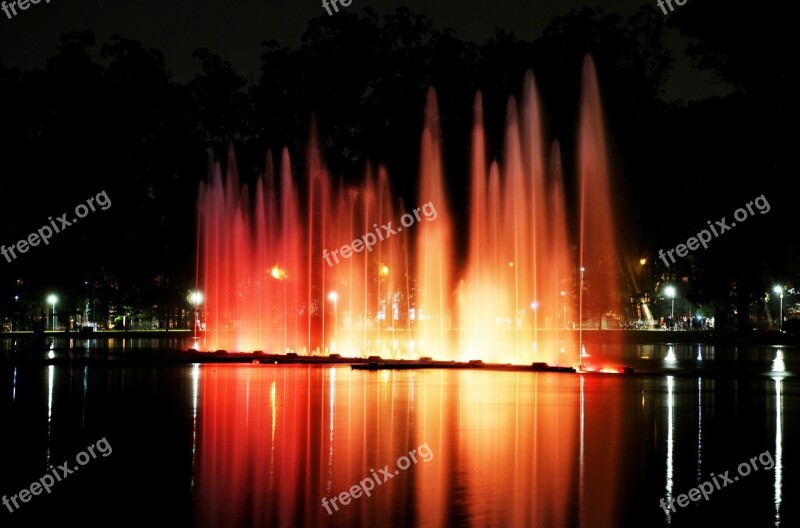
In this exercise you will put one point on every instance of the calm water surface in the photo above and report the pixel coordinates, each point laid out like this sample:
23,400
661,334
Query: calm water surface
263,445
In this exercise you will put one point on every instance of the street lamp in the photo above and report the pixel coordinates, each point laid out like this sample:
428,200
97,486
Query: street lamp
670,292
334,297
779,291
52,299
197,299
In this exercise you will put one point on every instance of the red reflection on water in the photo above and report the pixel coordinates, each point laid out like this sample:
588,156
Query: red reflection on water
508,449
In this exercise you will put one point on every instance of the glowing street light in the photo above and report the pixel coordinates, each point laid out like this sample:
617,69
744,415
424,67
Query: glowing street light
779,291
197,299
334,298
52,300
669,291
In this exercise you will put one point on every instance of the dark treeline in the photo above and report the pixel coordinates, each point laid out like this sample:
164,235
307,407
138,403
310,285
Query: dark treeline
108,116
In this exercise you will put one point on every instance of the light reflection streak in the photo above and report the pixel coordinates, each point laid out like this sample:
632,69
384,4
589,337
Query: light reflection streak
670,355
581,460
332,398
51,376
85,396
195,382
778,450
14,390
670,426
273,391
699,427
777,364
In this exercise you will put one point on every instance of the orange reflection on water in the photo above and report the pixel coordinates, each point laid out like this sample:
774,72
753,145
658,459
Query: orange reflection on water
506,447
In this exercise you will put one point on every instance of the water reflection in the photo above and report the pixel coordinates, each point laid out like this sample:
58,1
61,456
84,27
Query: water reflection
670,358
670,441
699,429
269,456
269,442
51,372
195,385
778,366
778,448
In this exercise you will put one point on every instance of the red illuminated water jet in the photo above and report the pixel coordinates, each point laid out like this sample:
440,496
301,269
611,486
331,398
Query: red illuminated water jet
281,269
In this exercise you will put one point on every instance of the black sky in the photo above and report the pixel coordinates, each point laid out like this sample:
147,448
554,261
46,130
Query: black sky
235,30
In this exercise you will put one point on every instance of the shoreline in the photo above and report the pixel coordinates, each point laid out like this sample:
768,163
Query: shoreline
617,337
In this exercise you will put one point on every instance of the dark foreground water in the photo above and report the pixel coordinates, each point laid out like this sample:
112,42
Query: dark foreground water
263,445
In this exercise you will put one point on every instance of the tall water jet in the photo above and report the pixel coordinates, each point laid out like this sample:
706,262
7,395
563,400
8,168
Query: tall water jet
543,298
599,290
250,267
518,280
560,274
434,248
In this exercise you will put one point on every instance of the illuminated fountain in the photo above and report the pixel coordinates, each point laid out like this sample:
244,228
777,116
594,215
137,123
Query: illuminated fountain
277,275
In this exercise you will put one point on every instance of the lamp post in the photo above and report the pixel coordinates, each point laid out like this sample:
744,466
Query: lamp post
52,300
670,292
197,299
334,298
779,291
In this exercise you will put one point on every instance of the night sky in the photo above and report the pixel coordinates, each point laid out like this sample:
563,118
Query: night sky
235,30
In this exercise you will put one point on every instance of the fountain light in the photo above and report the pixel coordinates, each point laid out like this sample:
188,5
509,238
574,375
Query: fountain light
234,256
